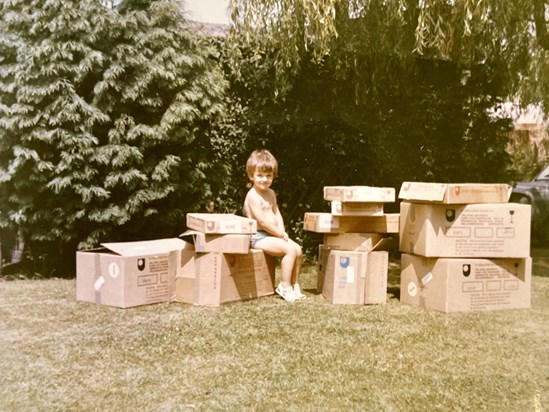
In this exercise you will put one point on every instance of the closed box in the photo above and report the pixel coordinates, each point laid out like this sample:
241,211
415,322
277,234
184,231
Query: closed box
128,274
328,223
356,208
206,243
220,223
221,278
359,194
347,277
455,193
462,285
474,230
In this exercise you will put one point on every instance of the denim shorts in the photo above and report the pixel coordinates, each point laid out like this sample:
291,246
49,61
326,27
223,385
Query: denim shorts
259,235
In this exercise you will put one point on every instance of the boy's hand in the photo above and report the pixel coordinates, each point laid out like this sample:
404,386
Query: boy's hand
285,237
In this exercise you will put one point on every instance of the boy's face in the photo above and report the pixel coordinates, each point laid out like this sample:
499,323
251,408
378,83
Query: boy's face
262,180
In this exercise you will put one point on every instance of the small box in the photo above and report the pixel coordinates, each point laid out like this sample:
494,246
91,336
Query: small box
462,285
128,274
455,193
206,243
360,242
473,230
220,223
359,194
356,208
221,278
347,277
328,223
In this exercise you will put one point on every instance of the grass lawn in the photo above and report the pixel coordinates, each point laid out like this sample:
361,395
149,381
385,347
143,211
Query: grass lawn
58,354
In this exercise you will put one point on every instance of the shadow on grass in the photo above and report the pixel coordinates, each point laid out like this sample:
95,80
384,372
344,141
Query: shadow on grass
540,261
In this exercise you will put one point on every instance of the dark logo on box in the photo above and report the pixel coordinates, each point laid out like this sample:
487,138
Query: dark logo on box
210,225
141,264
457,190
466,270
344,261
450,215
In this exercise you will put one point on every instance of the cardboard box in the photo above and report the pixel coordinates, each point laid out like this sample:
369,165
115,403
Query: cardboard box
328,223
205,243
359,194
220,278
455,193
356,208
347,277
475,230
220,223
462,285
128,274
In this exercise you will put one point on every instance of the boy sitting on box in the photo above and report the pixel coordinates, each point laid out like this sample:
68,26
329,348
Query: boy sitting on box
260,204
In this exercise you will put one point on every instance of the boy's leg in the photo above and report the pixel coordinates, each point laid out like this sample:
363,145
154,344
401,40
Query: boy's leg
298,260
278,247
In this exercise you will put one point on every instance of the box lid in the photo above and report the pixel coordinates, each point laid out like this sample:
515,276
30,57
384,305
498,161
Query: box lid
145,247
455,193
359,194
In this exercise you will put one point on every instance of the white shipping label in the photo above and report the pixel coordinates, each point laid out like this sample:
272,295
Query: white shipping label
427,278
114,270
412,289
99,283
350,274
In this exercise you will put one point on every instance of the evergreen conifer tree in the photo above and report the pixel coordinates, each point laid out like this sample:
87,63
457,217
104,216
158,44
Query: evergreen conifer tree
103,123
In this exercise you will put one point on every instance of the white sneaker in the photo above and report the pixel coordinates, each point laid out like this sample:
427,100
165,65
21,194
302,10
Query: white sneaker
286,293
297,292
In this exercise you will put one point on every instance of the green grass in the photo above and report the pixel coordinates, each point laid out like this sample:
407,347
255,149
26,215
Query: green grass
57,354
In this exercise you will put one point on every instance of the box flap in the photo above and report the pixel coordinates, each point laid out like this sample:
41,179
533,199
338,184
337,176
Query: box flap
189,235
455,193
386,243
145,247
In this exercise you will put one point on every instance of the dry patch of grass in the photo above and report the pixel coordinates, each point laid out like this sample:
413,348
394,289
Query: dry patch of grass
59,354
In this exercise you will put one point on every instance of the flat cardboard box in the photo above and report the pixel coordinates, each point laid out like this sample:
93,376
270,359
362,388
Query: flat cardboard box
497,230
328,223
359,194
356,208
206,243
348,277
463,285
221,278
220,223
128,274
455,193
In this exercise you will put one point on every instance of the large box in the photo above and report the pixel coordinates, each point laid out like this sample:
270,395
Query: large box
356,208
347,277
127,274
455,193
328,223
359,242
474,230
461,285
359,194
220,223
206,243
220,278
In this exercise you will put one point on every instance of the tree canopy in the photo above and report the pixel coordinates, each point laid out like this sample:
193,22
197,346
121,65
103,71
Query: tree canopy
510,36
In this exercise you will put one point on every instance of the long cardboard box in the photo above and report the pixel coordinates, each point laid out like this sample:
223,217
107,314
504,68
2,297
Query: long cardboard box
462,285
356,208
474,230
220,223
359,242
455,193
221,278
328,223
206,243
347,277
127,274
359,194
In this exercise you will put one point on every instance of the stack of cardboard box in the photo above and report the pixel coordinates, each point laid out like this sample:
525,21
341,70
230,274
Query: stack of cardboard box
464,247
210,264
353,266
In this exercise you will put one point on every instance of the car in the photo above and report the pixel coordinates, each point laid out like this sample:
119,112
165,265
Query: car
536,194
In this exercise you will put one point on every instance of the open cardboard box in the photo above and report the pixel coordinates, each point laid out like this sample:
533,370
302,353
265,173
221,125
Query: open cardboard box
220,223
359,194
206,243
328,223
127,274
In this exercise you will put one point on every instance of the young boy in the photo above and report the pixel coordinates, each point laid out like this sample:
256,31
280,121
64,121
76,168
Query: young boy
260,204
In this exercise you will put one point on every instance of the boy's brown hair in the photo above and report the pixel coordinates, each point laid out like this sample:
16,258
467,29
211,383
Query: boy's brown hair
261,160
